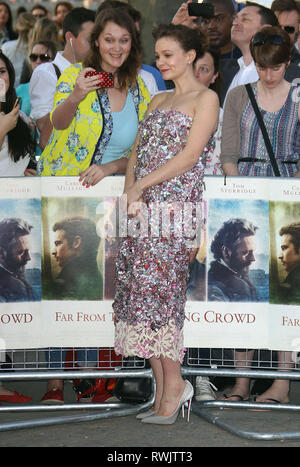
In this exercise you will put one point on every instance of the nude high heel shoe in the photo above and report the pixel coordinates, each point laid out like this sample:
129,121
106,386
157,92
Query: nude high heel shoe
146,414
185,398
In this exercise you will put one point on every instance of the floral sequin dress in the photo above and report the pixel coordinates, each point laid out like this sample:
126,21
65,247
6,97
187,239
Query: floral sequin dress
152,271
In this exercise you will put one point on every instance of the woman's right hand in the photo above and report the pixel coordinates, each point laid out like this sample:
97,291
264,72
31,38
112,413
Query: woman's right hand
84,84
9,121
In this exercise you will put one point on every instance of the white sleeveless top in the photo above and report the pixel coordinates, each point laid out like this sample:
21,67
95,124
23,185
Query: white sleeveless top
9,168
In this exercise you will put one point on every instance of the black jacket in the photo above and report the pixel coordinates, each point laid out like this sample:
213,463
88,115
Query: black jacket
14,287
291,289
225,285
79,280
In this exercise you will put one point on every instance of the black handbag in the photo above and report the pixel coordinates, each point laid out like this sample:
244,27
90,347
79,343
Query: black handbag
263,129
133,389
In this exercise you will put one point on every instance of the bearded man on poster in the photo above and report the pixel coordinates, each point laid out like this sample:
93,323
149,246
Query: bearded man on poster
14,255
233,247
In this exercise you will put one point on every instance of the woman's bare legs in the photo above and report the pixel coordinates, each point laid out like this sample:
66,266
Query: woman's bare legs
169,385
281,387
159,379
242,385
172,387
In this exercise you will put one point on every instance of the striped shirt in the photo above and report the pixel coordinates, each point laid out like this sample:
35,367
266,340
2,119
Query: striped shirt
283,128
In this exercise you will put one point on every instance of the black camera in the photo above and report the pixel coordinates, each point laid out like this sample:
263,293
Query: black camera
205,10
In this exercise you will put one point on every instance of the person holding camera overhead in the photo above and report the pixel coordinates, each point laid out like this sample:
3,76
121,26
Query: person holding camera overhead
98,105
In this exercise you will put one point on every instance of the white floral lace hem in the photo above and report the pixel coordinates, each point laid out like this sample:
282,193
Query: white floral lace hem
138,340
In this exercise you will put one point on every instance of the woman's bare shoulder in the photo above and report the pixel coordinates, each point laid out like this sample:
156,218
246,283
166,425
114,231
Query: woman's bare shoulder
206,101
207,95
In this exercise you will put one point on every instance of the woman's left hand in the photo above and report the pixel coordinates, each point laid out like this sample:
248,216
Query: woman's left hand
134,195
93,175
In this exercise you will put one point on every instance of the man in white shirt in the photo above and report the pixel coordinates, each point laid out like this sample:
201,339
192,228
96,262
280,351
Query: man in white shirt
245,25
77,27
251,19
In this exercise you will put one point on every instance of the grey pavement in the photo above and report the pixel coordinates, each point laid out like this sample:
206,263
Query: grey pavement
130,432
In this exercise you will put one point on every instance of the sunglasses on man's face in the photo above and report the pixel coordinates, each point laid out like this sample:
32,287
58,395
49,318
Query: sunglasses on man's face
289,29
42,57
261,39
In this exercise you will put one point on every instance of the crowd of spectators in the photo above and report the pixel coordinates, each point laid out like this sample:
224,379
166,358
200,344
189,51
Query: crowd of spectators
40,54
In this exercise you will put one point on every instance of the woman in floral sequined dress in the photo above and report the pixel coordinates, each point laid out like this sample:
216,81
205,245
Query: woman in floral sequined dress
166,166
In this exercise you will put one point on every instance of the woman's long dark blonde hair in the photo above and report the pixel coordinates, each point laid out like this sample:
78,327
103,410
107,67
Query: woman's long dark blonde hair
127,73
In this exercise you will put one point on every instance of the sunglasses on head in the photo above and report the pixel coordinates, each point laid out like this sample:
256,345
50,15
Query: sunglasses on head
42,57
261,39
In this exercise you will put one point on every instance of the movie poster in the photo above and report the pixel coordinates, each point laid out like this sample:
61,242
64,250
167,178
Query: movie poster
20,262
75,309
58,247
239,262
236,307
284,323
72,249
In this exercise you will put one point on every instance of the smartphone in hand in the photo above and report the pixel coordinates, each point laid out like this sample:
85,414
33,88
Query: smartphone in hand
205,10
106,80
18,99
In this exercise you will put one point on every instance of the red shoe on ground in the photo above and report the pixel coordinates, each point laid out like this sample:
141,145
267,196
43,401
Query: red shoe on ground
54,396
15,397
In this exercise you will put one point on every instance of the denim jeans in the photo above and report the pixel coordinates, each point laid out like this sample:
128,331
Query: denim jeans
85,357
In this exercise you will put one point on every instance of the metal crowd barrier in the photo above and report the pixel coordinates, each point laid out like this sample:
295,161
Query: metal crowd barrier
32,365
222,363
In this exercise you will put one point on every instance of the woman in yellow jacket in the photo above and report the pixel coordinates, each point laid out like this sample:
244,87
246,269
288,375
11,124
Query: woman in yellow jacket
94,126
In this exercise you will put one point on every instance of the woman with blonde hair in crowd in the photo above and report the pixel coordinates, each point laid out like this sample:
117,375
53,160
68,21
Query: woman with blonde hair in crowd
17,49
44,30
